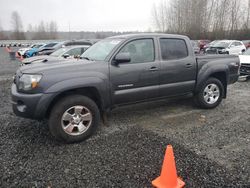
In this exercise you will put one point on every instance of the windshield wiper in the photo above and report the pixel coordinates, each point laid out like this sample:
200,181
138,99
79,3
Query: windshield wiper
84,57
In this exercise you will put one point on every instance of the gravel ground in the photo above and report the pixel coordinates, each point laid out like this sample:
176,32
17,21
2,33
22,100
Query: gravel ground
212,147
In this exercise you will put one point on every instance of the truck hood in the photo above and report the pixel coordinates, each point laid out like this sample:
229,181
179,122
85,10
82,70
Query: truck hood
244,59
41,58
57,67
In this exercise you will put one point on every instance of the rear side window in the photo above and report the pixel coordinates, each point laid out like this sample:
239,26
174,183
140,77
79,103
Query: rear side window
74,52
173,49
238,43
234,44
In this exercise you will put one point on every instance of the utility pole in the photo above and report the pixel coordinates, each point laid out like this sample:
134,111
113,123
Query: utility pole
69,32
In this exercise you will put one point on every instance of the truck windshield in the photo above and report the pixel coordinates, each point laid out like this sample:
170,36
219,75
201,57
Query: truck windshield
58,52
100,50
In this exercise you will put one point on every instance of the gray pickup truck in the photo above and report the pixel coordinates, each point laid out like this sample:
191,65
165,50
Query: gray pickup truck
117,71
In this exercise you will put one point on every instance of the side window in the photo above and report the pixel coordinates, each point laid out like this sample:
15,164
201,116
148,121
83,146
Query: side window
74,52
173,49
238,44
234,44
141,50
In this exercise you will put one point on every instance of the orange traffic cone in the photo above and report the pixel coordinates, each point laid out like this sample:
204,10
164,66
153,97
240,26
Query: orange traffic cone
168,177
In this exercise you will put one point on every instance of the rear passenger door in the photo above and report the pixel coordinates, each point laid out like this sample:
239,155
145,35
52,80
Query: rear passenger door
178,67
138,79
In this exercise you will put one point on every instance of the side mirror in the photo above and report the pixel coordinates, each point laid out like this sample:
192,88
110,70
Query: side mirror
122,58
66,55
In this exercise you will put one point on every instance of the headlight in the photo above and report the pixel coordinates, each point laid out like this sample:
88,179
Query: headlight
28,81
223,50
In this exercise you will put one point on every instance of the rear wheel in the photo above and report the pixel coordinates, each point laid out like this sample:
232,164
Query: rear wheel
74,118
210,94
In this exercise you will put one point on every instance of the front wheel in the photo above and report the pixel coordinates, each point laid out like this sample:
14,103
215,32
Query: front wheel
74,118
210,94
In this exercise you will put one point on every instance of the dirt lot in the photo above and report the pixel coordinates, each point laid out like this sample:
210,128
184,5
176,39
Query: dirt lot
212,147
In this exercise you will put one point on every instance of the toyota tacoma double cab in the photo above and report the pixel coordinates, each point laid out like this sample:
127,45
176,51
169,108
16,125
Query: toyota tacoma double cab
73,95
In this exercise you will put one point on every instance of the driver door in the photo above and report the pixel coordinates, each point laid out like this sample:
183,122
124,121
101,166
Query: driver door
138,79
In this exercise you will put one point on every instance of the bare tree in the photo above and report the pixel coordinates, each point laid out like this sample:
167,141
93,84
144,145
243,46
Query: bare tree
2,37
41,31
45,30
17,26
53,30
203,18
159,14
247,23
30,28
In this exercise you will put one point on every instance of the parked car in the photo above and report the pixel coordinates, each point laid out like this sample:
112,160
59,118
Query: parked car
22,51
209,45
114,72
33,51
49,46
245,63
233,47
47,51
62,53
196,46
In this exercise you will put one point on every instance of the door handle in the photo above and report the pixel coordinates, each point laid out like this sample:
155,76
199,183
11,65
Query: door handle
153,69
188,65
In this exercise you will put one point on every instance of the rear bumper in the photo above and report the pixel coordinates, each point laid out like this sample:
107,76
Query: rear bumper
32,106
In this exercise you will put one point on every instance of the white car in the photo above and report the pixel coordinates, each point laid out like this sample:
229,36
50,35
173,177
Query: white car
245,63
232,47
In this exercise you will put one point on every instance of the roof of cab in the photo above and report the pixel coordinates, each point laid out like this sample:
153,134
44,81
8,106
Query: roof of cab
135,35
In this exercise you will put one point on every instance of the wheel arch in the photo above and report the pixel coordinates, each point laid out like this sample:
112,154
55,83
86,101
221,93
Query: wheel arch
222,76
90,92
219,72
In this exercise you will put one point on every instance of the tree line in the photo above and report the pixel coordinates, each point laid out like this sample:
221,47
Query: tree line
204,19
199,19
44,30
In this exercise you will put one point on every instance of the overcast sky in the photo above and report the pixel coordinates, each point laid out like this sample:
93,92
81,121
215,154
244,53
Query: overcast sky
81,15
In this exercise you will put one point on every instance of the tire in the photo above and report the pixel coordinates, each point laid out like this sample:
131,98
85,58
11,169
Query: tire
74,118
210,94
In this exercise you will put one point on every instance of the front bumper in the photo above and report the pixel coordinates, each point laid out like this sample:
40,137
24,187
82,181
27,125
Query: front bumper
245,69
33,106
233,78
